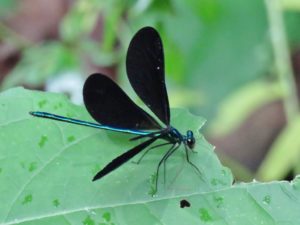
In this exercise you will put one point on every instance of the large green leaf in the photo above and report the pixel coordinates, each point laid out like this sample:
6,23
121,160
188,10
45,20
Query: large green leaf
47,166
46,169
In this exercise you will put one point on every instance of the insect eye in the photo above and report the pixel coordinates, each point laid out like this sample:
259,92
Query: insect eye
191,142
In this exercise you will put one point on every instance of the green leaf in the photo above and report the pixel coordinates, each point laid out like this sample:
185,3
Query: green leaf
46,169
47,166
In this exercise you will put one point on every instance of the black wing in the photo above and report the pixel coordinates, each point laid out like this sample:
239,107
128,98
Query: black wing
145,70
109,105
120,160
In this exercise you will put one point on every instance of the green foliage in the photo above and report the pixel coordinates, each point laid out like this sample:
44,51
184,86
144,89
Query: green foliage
292,5
245,101
79,21
41,62
6,6
292,20
47,166
284,153
208,44
204,51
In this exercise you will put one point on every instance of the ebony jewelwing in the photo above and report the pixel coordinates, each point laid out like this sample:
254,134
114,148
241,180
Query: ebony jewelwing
109,105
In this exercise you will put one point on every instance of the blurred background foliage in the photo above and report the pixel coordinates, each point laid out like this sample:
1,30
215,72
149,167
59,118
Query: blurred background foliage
236,63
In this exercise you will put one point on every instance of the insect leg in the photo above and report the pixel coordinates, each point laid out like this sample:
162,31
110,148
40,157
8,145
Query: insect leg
159,164
155,146
188,160
168,154
162,160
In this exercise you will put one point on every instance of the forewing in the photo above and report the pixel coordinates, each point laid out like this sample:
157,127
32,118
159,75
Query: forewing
109,105
145,70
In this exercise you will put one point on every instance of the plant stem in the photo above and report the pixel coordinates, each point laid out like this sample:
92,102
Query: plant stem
282,59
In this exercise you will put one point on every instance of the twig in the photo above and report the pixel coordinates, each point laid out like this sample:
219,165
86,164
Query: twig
282,59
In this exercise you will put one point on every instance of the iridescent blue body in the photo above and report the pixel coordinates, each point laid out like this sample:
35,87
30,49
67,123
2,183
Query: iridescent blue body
85,123
170,133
